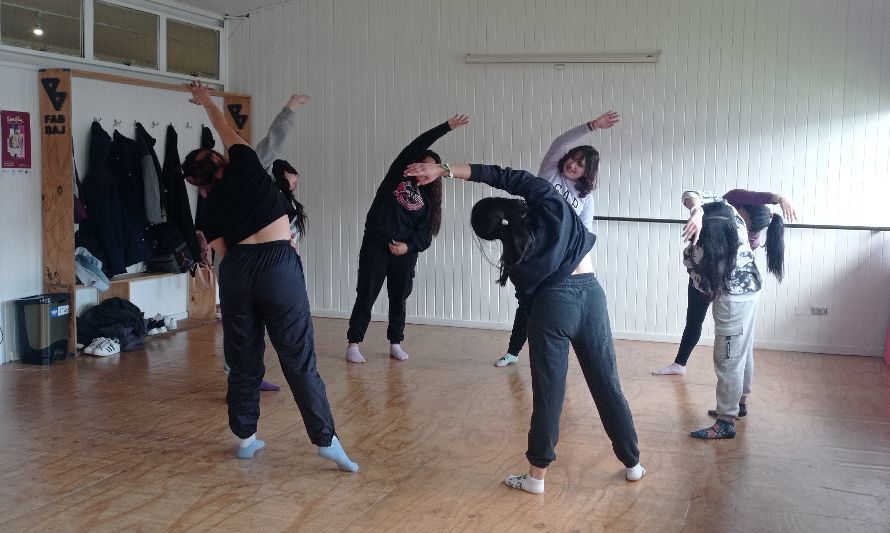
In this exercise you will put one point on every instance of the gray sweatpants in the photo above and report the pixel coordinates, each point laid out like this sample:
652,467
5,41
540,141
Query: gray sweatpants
734,317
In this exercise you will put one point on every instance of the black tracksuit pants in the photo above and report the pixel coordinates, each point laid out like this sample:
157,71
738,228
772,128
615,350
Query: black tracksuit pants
263,285
696,311
376,263
574,311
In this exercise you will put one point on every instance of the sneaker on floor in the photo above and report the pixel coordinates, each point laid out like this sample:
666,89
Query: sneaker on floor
507,359
93,345
170,323
720,430
107,347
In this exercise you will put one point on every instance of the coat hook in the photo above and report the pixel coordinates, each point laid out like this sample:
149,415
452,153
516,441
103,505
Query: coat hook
97,119
117,123
154,123
188,126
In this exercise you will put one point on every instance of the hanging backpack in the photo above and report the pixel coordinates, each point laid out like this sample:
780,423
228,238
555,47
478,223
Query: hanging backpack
171,253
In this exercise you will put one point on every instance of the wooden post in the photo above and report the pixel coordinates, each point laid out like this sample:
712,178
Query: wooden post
54,93
237,112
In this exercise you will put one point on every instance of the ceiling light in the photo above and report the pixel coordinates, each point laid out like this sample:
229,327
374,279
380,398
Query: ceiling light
38,31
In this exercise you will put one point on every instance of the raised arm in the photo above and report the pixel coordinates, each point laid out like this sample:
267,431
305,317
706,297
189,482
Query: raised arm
422,143
740,197
271,147
565,142
201,97
516,182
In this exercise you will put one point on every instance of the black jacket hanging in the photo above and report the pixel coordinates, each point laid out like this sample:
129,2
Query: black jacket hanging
151,175
179,211
110,223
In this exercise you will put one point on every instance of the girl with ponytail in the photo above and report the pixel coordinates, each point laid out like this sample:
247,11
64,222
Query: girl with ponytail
752,208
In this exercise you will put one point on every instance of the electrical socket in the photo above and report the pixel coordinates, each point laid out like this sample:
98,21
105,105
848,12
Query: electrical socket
818,311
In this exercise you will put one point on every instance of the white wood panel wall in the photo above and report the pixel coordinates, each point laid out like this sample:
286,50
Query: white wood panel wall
21,255
791,96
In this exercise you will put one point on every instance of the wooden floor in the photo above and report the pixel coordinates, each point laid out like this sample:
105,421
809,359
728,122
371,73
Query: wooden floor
139,442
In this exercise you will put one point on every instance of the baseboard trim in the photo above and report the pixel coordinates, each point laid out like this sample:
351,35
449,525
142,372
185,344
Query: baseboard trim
865,351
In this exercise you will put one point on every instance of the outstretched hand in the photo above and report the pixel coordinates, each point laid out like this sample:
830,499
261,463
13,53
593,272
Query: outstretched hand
458,120
787,209
200,93
605,121
296,100
692,229
425,173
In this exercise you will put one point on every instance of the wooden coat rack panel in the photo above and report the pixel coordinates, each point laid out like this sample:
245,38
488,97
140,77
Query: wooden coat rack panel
57,153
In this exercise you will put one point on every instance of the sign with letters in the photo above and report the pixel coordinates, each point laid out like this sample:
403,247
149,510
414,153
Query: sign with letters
16,140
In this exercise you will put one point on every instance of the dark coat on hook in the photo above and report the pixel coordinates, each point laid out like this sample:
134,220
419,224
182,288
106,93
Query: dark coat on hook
110,223
151,175
179,211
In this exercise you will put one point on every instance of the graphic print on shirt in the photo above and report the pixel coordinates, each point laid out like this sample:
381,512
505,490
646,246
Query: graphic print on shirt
567,195
409,196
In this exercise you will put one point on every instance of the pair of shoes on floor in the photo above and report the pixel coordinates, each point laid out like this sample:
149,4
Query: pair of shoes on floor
103,347
507,359
160,324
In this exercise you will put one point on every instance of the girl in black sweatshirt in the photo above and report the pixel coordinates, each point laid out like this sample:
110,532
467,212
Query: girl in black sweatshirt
546,255
401,223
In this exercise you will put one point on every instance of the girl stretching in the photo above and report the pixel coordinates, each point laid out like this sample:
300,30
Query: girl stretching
574,172
752,207
722,269
401,223
546,255
260,285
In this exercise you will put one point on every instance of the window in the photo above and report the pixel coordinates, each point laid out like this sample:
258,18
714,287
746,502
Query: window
45,25
124,35
192,50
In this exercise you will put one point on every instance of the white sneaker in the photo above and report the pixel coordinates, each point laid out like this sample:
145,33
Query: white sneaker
507,359
157,331
107,347
93,345
170,323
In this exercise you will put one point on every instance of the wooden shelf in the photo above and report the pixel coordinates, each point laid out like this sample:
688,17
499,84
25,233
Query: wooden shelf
137,276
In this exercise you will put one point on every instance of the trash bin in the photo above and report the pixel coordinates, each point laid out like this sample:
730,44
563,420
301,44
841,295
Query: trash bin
43,327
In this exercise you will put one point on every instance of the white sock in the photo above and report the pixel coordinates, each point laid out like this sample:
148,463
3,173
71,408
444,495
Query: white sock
635,473
353,355
396,352
525,482
248,441
672,369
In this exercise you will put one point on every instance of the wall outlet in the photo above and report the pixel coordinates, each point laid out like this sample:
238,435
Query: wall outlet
818,311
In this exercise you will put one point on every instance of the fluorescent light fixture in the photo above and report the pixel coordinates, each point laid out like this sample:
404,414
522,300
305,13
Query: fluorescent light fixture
561,59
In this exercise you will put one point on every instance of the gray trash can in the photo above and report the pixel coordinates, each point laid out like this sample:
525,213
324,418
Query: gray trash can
43,327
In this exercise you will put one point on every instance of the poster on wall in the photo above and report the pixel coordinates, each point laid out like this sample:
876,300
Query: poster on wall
16,140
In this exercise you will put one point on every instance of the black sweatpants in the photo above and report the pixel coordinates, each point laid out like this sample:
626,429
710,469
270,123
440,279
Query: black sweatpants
519,334
376,263
696,311
263,285
574,311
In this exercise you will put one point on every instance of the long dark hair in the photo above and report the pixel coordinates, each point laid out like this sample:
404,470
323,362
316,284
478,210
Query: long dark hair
295,211
200,171
433,191
719,242
761,217
504,219
591,159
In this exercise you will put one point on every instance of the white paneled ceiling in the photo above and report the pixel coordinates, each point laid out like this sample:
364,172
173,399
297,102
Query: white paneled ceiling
228,7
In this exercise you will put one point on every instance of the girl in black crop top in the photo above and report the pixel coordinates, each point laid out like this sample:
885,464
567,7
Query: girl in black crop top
260,287
545,246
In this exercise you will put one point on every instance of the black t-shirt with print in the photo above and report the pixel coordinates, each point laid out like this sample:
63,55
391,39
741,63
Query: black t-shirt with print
401,210
244,201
